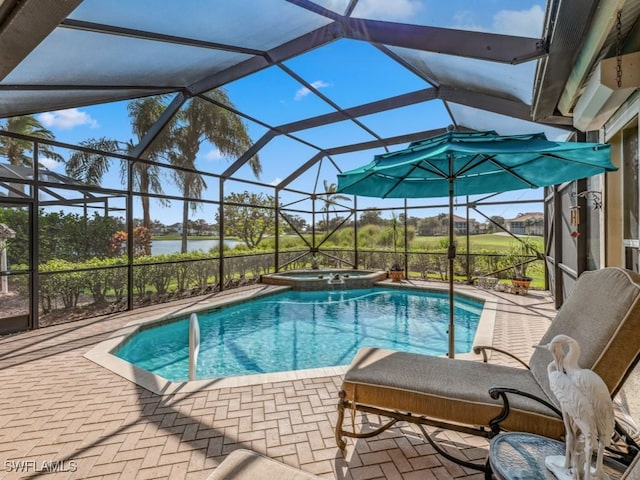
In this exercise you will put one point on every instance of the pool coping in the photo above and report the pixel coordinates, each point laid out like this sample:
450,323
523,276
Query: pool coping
101,353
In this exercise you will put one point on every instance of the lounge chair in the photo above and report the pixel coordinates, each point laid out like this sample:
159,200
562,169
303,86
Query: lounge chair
633,472
602,313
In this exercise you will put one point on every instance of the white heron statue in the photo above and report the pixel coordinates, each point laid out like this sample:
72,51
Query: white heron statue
587,411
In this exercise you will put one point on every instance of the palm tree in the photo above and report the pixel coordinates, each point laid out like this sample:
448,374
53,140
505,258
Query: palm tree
20,152
197,122
144,112
180,143
331,199
91,167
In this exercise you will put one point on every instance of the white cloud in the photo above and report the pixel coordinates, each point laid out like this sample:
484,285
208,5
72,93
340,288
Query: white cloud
524,23
67,119
464,20
275,181
304,91
386,9
49,164
214,155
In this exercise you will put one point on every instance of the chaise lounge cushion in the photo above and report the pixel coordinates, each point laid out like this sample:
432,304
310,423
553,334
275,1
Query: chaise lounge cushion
441,388
602,313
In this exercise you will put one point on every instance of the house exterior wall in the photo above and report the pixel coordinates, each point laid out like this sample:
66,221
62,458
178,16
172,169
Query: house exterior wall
618,250
599,239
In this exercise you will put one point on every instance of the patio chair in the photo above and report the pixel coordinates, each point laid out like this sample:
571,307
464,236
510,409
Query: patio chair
602,313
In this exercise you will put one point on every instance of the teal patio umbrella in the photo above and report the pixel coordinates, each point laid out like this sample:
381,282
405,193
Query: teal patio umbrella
456,163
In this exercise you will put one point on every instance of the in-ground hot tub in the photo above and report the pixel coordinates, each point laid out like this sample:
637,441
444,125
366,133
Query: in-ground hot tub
325,279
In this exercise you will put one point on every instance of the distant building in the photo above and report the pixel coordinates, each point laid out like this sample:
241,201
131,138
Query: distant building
439,225
531,223
460,225
175,228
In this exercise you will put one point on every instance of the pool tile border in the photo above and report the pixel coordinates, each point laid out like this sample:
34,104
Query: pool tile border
101,353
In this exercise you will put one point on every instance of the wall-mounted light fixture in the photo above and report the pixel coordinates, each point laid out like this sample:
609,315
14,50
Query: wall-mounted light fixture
593,195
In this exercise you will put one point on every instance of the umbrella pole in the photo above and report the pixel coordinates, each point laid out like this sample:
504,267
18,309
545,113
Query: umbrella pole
451,254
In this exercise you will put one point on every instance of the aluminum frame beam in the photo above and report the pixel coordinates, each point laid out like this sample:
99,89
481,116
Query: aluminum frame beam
297,46
25,25
492,47
383,105
480,45
411,137
146,35
159,124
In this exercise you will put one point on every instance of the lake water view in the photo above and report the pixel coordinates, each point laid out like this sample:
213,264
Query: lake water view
163,247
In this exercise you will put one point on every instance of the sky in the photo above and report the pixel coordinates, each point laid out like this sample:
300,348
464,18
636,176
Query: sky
348,73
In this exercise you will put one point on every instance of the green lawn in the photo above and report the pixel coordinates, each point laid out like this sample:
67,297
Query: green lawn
491,241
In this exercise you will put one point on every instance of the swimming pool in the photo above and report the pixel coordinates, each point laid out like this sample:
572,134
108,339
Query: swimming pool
301,330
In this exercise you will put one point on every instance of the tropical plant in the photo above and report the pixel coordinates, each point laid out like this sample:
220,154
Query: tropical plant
370,216
141,242
144,113
520,254
18,151
180,143
90,166
74,237
397,265
199,121
248,216
331,198
17,247
494,222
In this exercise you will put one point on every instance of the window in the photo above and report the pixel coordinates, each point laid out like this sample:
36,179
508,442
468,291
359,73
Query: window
630,184
630,195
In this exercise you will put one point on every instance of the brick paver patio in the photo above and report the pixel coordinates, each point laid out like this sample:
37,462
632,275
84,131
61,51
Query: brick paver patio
58,408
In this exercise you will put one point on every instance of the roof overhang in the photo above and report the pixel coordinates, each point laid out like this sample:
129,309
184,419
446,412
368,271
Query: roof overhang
582,88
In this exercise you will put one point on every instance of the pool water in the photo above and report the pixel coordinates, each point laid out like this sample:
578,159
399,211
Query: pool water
300,330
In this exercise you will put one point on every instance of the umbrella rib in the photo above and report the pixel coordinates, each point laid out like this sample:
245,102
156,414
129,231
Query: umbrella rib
510,171
400,180
550,155
472,163
360,180
564,159
434,170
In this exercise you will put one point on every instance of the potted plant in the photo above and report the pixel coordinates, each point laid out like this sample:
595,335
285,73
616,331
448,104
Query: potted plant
396,272
519,257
